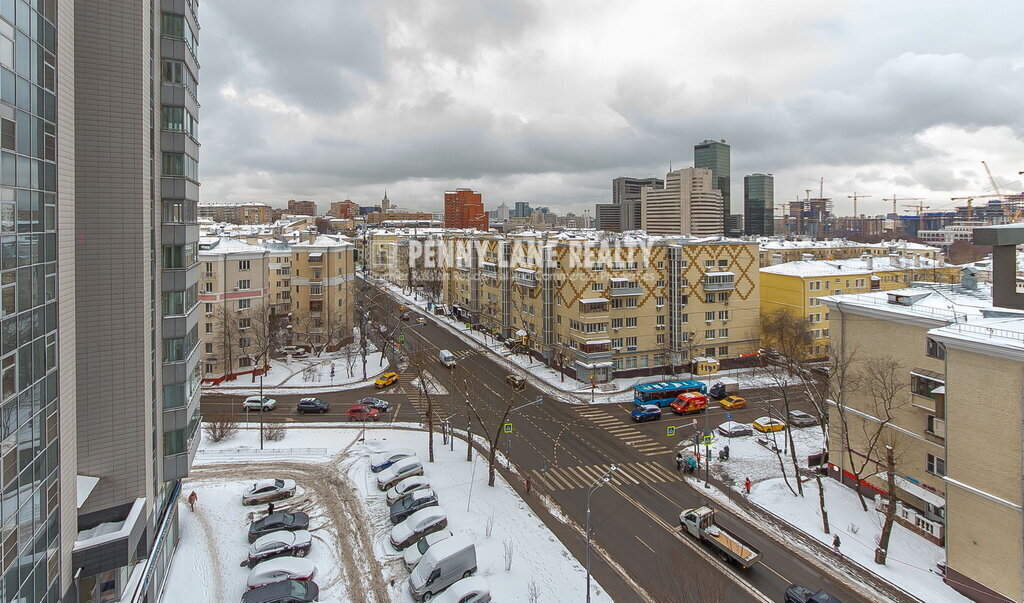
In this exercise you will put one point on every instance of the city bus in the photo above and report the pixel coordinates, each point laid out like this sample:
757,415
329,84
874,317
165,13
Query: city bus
664,393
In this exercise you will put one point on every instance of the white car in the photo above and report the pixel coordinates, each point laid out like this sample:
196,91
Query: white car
732,429
256,403
279,570
382,460
419,524
404,468
267,490
414,553
407,485
294,351
295,543
468,590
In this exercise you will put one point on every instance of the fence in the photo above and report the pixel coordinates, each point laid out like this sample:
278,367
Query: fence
909,518
264,452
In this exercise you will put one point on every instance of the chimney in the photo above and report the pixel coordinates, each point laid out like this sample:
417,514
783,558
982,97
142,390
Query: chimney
1004,240
969,278
776,259
869,261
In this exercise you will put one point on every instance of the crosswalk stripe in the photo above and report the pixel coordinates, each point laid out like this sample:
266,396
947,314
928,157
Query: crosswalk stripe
624,473
561,484
540,478
622,428
633,436
644,447
649,475
659,452
664,471
579,474
568,478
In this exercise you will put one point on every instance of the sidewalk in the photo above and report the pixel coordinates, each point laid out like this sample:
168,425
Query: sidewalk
283,378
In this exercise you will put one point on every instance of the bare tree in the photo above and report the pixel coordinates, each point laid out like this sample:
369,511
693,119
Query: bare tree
226,322
419,359
265,331
511,400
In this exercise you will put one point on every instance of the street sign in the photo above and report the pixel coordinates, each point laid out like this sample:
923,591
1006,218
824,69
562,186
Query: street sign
728,415
671,431
694,423
708,439
401,337
508,428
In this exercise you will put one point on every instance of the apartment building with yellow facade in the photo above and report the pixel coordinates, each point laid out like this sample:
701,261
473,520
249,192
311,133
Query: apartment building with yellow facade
797,287
778,250
233,283
955,425
606,305
322,272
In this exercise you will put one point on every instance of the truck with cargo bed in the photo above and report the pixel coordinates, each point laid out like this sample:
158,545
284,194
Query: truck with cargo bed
700,523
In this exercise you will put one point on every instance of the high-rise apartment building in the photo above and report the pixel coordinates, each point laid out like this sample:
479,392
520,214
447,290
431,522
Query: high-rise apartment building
715,156
688,204
522,210
128,82
759,205
302,208
464,208
625,188
344,209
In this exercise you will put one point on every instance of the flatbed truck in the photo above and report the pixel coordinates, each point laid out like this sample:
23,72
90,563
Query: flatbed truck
700,523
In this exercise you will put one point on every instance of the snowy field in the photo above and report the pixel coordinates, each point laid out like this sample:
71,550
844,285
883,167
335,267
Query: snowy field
348,518
311,374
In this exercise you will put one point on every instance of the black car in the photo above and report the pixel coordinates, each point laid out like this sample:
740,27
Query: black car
312,405
289,591
381,405
278,521
717,391
797,593
412,502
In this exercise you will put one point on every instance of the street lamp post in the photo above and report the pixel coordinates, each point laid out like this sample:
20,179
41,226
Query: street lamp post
604,479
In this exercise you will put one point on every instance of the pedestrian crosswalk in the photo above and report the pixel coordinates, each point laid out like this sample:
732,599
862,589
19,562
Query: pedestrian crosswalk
584,476
627,432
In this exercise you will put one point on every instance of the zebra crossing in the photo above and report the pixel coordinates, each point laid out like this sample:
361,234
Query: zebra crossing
626,432
584,476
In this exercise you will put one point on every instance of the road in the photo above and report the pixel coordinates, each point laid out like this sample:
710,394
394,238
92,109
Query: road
565,449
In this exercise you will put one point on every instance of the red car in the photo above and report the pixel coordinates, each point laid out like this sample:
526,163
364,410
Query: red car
363,413
689,402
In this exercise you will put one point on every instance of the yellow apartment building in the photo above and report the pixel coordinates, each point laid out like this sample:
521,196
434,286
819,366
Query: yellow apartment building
796,287
776,250
322,274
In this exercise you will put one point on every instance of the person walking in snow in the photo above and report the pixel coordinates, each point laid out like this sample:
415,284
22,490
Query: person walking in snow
835,545
746,486
679,461
270,509
193,498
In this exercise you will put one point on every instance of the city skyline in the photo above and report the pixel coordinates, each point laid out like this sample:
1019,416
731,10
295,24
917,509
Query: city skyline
529,106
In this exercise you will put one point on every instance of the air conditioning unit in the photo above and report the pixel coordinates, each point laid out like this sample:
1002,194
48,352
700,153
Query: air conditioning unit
709,321
726,302
659,327
616,329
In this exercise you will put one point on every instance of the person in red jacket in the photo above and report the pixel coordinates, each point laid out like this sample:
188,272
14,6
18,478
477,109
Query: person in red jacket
746,486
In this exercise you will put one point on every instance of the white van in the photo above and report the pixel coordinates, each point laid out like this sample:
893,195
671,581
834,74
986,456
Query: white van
446,358
445,563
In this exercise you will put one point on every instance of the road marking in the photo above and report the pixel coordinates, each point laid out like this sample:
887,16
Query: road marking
645,544
394,413
659,453
541,479
624,474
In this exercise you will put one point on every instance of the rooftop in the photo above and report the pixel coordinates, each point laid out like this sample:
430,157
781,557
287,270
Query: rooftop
947,303
225,245
812,268
771,243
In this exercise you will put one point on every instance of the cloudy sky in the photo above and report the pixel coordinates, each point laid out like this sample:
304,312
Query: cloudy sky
547,101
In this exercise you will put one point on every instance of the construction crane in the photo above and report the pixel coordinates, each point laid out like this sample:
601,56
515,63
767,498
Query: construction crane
970,200
920,207
895,199
855,196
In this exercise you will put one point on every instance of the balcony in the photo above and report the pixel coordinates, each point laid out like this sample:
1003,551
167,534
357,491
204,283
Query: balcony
524,277
592,351
623,287
719,281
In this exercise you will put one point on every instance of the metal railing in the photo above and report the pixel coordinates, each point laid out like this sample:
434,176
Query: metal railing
265,451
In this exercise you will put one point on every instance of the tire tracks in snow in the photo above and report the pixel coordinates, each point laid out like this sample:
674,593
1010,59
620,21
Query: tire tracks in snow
211,550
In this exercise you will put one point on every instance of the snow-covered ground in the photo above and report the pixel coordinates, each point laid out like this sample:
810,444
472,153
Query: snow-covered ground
615,391
434,387
912,559
312,374
355,561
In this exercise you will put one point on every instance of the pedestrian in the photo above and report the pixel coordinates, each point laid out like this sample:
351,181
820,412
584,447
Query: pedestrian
270,509
679,461
193,498
835,544
746,486
527,484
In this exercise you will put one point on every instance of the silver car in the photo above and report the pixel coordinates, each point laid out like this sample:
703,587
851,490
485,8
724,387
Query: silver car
256,403
267,490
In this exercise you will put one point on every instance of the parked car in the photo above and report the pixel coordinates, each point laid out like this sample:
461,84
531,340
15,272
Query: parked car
799,418
414,553
382,460
406,316
267,490
416,526
385,380
647,412
768,424
286,591
473,589
381,405
260,404
294,351
412,502
444,564
280,569
312,405
797,593
278,521
517,382
731,429
276,544
363,413
407,485
732,402
404,468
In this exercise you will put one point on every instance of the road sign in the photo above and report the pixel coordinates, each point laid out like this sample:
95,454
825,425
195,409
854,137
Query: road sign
508,428
401,337
671,431
694,423
708,439
728,415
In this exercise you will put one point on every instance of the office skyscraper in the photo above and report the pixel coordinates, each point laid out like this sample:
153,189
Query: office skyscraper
759,204
625,188
715,156
522,210
687,205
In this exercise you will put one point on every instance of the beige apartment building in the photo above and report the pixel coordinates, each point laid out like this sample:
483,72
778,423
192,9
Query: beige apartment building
237,213
603,305
233,288
279,275
687,205
956,423
777,250
322,274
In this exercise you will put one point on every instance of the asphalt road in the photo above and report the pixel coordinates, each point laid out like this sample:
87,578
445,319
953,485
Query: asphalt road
565,449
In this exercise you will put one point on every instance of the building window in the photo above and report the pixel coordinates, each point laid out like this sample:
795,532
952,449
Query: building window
630,302
175,26
617,342
723,350
723,297
178,119
723,333
180,256
631,322
631,342
936,465
684,318
244,304
180,164
243,265
616,323
709,334
244,323
814,285
709,352
723,315
709,298
660,341
617,303
935,349
243,284
659,301
208,348
709,264
209,328
923,386
709,316
597,287
660,320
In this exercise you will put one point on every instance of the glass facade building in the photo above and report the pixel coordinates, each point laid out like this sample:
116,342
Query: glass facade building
715,156
759,204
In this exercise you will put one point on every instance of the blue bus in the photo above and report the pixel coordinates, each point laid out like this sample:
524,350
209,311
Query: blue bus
664,393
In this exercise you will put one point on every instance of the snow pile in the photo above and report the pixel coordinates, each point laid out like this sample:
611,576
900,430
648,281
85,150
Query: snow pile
311,374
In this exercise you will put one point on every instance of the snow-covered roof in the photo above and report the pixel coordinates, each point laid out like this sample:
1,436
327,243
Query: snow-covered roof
325,241
932,301
775,244
851,266
226,245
